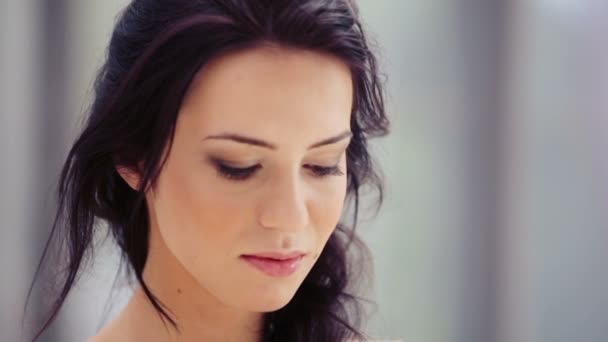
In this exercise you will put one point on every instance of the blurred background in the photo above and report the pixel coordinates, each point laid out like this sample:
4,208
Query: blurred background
495,222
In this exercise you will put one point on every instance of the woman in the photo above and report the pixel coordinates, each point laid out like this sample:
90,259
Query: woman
224,139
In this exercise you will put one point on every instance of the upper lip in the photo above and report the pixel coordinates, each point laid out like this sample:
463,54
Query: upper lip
277,255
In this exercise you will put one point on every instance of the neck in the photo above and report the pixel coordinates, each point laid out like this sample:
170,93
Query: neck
199,315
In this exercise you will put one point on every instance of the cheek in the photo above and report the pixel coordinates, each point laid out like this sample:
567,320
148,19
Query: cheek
327,208
193,216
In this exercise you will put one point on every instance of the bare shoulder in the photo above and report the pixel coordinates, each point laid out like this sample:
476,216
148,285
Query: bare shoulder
106,336
96,338
128,325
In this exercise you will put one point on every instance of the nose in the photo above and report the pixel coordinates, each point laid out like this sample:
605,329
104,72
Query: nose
284,204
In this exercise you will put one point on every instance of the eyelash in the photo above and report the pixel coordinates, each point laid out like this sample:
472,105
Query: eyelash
241,174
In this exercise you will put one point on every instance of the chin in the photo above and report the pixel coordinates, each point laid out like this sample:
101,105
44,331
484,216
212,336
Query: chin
270,306
271,299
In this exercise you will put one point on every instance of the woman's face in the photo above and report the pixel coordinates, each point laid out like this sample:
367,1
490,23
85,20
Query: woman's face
251,170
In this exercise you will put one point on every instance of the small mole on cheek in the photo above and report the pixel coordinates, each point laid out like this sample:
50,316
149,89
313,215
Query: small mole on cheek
179,291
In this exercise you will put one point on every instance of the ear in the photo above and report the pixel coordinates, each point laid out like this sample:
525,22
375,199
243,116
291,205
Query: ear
130,176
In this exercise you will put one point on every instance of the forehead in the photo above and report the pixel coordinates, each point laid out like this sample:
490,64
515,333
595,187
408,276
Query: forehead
271,91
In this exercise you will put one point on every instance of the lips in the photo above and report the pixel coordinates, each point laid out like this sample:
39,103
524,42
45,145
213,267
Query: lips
277,256
275,264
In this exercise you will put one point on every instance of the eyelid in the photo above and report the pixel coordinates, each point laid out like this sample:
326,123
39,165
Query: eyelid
333,157
238,174
230,163
323,171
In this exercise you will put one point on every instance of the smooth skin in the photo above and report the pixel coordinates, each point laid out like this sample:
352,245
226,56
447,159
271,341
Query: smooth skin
282,115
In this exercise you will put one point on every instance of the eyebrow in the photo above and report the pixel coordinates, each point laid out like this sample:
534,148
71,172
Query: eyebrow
258,142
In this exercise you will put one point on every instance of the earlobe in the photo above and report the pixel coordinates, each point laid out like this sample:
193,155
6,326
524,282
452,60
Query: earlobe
130,176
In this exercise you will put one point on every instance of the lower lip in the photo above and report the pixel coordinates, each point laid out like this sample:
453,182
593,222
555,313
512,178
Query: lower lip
274,267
